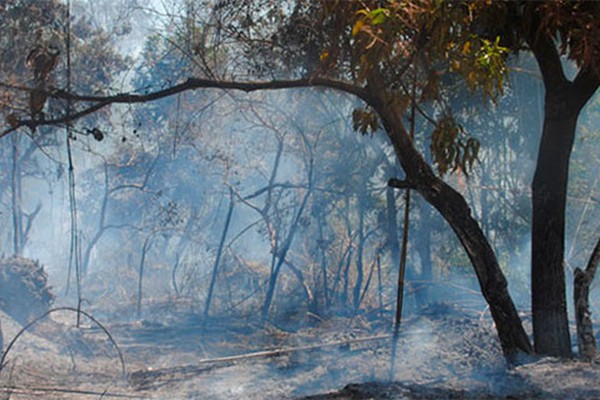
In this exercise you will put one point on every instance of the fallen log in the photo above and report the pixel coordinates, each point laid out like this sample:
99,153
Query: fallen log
143,376
18,390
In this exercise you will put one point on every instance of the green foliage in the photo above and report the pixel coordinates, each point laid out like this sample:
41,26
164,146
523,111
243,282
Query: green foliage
440,33
481,63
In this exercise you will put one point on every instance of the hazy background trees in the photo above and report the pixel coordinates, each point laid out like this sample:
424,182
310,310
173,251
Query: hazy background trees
265,203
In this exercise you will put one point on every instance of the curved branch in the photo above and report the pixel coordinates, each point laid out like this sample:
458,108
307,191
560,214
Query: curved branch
189,85
53,310
198,83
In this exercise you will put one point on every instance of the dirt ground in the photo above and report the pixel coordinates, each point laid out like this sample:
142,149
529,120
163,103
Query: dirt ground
442,354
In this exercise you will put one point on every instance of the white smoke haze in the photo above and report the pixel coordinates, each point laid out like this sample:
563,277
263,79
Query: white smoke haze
214,224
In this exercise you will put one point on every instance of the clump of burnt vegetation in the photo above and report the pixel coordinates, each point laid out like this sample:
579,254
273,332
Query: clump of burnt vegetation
25,293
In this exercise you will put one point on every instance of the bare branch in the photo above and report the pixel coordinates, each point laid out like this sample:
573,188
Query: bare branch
401,184
189,85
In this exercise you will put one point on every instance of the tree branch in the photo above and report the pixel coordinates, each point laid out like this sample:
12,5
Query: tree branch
189,85
593,262
585,84
401,184
545,51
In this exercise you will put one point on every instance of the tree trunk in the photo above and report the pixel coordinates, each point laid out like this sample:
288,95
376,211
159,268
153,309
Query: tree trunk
17,202
392,228
359,253
145,249
492,282
424,250
586,342
287,244
563,102
323,255
454,209
215,271
549,189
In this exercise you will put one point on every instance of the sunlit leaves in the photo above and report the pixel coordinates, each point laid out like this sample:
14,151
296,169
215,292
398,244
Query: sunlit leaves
482,63
451,147
369,18
437,32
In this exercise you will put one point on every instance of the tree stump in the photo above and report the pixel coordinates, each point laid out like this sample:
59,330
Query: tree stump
586,342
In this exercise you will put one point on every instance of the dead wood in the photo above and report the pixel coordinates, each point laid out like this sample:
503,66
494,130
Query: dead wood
141,378
586,342
38,391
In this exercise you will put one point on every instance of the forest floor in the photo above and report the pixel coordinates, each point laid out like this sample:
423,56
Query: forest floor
442,354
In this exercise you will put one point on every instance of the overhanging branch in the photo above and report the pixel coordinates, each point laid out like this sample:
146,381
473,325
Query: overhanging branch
189,85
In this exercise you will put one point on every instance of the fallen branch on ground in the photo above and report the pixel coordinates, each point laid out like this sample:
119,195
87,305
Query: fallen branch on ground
200,366
16,390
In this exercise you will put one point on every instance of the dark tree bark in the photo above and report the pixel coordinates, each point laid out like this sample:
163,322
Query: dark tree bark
549,189
392,225
455,210
562,105
360,273
323,255
586,342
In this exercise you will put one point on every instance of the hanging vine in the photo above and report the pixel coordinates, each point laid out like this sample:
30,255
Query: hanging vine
74,259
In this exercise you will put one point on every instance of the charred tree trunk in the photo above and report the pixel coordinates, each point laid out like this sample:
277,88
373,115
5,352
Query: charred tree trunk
360,273
145,249
215,271
455,210
424,249
494,287
549,190
392,221
562,104
586,342
322,245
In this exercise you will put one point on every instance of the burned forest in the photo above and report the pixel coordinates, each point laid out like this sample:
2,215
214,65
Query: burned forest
324,199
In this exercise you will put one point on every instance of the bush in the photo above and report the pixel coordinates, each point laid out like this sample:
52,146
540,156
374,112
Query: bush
24,290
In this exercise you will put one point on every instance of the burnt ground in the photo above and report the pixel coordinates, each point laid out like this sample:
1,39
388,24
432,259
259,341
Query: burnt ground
449,354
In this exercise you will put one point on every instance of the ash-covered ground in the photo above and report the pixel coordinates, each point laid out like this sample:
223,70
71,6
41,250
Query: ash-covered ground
443,353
